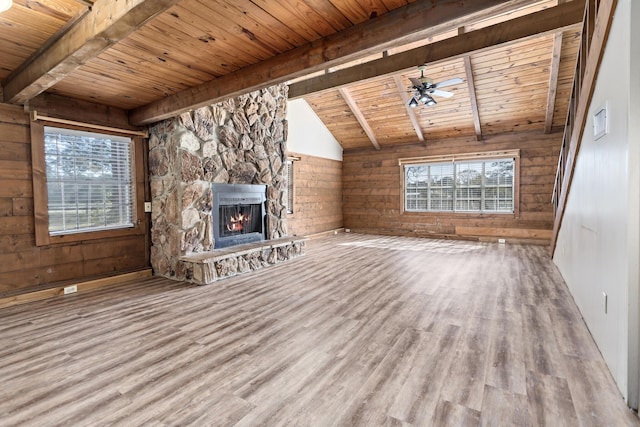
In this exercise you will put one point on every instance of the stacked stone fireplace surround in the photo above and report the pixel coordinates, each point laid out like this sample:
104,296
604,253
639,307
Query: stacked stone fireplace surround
239,141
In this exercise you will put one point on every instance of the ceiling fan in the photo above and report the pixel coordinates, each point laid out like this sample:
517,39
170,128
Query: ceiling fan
425,89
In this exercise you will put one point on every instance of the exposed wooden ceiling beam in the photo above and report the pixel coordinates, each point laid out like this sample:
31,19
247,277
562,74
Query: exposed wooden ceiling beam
551,20
410,111
351,103
69,24
471,87
104,25
416,21
472,97
553,81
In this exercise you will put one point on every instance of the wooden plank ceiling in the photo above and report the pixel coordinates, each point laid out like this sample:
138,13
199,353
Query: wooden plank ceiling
158,58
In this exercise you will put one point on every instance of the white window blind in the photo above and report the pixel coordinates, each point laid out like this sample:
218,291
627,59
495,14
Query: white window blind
460,186
89,181
289,189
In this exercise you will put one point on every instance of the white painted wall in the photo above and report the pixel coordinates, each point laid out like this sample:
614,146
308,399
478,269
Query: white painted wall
633,230
308,135
598,244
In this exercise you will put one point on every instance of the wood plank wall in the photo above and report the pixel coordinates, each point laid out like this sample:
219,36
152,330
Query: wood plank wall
317,196
24,267
372,191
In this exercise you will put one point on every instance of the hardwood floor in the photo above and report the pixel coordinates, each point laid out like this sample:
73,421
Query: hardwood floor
363,330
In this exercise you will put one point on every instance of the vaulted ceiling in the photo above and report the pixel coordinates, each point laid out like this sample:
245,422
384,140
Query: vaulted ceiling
350,59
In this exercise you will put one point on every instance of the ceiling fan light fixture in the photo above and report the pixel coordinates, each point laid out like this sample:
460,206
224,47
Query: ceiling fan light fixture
425,89
5,5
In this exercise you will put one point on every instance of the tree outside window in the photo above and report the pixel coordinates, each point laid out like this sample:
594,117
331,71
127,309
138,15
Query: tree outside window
463,186
89,181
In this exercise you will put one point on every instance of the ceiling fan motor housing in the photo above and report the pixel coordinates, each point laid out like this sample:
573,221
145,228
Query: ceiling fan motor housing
426,82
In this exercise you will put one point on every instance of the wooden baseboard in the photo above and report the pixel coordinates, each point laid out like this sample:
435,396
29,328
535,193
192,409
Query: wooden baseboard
536,237
325,233
81,287
505,233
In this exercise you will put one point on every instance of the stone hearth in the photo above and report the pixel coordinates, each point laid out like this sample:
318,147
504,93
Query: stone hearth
239,141
208,267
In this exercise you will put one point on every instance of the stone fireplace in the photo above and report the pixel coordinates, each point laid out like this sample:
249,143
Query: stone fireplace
239,143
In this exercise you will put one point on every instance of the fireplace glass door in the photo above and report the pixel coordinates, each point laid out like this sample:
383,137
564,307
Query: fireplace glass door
240,219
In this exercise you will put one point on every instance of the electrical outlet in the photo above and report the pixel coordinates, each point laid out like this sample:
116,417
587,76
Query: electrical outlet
604,302
70,289
147,206
502,241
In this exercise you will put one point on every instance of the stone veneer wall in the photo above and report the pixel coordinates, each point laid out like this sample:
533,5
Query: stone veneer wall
242,141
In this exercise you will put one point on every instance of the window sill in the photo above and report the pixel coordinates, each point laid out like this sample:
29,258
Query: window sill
461,214
94,235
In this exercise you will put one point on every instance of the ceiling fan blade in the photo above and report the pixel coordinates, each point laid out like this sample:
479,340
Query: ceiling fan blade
442,93
417,83
449,82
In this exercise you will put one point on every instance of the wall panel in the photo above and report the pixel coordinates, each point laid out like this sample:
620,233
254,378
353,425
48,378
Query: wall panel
372,190
598,246
25,267
317,196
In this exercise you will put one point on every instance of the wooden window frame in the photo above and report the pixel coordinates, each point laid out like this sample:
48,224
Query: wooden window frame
486,155
291,160
41,198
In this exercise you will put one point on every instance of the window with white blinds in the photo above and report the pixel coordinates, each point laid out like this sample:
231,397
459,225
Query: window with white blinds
289,190
89,181
485,185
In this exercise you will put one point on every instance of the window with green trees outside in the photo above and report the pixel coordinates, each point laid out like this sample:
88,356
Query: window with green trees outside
89,181
485,185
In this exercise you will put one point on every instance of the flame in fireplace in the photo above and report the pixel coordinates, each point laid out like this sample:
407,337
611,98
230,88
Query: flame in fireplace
236,222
